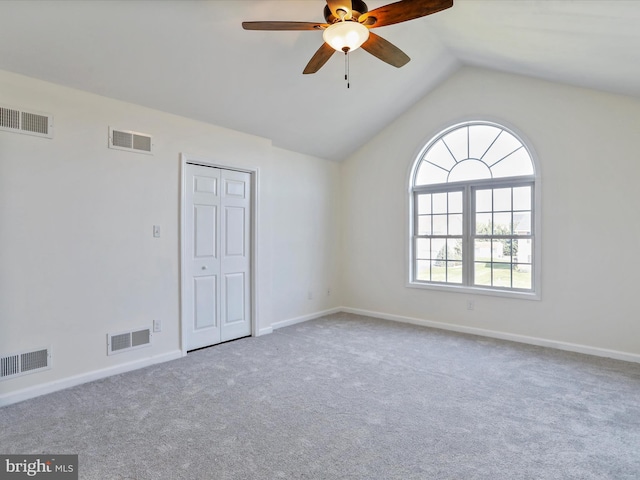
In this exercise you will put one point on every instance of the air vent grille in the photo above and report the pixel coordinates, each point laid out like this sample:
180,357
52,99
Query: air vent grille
9,365
130,141
9,118
25,362
122,139
122,342
140,142
35,123
34,360
141,337
30,123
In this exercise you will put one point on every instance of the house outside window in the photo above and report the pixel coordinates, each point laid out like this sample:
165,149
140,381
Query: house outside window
474,213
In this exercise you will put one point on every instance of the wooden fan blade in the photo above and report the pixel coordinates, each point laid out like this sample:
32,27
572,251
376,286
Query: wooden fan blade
335,5
284,26
319,59
403,11
385,50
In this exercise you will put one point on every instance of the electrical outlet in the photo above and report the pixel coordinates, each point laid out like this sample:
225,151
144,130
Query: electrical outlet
157,326
310,295
471,304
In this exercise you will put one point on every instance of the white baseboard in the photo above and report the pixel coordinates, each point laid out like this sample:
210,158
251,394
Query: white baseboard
50,387
305,318
264,331
541,342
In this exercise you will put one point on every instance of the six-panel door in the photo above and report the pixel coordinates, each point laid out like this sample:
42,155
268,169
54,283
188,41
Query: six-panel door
217,251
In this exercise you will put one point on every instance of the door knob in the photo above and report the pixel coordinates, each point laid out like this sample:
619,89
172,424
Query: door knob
204,267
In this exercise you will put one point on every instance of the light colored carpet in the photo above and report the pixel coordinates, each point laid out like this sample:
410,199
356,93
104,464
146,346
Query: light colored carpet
347,397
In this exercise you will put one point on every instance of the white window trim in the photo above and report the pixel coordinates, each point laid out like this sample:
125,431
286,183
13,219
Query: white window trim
536,293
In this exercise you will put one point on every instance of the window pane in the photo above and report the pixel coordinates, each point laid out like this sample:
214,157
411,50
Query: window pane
455,224
501,275
439,224
455,202
482,274
424,225
439,155
439,272
522,223
522,251
438,251
439,202
424,204
522,276
502,223
480,138
483,201
423,270
457,143
497,250
454,249
430,174
454,272
502,199
503,146
507,246
423,248
483,224
469,170
518,163
522,198
501,250
482,250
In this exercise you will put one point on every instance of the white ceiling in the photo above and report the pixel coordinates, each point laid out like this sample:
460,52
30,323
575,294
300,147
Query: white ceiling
193,58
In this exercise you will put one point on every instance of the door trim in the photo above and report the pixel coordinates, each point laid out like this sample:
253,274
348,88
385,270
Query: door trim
255,175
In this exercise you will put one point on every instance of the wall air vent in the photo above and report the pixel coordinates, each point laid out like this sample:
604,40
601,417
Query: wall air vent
124,342
130,141
29,123
19,364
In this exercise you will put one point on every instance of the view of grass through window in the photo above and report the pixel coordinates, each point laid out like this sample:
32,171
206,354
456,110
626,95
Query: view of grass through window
502,239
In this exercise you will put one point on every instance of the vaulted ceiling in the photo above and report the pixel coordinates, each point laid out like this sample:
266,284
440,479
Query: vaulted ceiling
193,58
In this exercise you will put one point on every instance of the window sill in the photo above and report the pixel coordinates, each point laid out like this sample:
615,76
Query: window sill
475,290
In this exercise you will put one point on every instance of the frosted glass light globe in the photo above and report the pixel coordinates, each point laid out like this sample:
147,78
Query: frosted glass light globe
346,36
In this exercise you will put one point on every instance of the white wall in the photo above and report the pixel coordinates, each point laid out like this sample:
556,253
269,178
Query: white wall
77,256
587,146
306,250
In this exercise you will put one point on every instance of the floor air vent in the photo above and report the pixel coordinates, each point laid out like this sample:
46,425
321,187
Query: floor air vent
130,141
22,363
30,123
124,342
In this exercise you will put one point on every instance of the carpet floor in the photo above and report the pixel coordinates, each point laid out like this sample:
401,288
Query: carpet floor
347,397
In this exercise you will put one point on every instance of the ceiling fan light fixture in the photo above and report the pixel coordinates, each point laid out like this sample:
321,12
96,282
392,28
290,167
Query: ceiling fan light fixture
346,36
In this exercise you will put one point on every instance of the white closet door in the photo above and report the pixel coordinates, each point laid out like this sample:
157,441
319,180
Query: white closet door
234,258
217,260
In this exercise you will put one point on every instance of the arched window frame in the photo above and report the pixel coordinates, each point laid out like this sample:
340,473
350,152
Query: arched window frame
468,189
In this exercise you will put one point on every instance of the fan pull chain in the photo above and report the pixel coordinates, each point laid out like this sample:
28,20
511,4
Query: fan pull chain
346,67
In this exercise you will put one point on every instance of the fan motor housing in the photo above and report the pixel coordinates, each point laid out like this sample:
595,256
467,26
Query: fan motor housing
358,8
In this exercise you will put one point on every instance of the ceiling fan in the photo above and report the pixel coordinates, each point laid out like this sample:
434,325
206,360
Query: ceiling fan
347,28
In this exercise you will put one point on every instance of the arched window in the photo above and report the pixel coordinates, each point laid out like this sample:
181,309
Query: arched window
473,211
